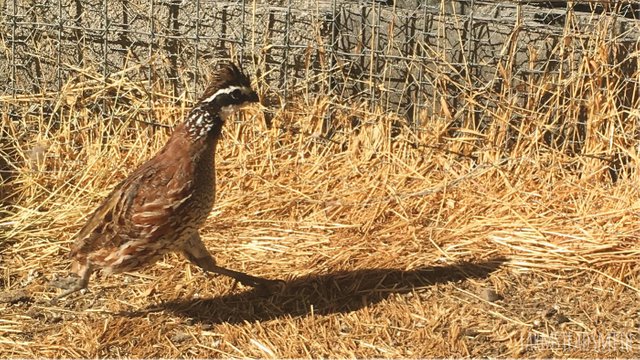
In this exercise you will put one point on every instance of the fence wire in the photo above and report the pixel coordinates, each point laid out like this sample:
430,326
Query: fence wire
401,56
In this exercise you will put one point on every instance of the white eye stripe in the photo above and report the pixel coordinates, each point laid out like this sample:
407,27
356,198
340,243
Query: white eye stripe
228,90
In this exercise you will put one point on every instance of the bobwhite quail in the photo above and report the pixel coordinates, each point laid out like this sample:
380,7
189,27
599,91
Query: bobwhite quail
160,207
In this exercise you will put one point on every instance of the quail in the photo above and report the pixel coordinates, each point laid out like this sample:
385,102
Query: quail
160,207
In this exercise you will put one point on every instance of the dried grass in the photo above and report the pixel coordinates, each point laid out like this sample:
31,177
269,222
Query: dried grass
387,236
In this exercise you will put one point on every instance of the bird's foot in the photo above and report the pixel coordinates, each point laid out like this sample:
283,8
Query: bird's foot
264,286
66,282
70,284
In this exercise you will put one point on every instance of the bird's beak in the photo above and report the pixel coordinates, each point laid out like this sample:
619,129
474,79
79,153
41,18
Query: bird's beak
253,97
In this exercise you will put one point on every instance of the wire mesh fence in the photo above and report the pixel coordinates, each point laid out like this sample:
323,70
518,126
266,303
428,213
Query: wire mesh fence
410,57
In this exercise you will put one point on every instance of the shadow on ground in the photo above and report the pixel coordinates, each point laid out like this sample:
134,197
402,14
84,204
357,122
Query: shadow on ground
338,292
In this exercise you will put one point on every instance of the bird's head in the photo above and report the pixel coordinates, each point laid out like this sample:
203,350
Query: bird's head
229,91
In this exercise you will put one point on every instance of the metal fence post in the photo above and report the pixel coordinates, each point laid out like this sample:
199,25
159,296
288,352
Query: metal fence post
196,50
14,27
105,40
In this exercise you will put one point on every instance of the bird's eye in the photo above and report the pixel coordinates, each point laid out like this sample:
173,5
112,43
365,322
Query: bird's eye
235,94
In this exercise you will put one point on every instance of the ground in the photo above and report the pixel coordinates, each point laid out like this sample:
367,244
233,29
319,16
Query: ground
392,243
435,311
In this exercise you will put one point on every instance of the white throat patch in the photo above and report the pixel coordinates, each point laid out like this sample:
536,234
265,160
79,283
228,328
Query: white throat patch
227,111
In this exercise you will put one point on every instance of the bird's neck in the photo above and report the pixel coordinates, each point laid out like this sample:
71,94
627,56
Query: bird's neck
196,137
202,123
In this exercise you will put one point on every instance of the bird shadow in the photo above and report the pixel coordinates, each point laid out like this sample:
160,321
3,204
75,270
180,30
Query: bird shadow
338,292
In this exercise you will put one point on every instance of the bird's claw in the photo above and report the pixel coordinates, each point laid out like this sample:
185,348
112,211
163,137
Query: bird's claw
65,283
269,287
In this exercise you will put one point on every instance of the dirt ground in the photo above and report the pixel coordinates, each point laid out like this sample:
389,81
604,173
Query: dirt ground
474,309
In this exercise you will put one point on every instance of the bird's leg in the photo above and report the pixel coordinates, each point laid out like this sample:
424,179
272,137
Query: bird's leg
197,254
244,279
73,284
207,263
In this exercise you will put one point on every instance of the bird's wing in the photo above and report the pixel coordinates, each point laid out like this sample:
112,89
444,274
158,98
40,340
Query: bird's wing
141,209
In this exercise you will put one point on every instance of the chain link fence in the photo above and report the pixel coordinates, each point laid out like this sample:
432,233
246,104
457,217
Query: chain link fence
409,57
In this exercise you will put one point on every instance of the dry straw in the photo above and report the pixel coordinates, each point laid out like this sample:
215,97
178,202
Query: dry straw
349,220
